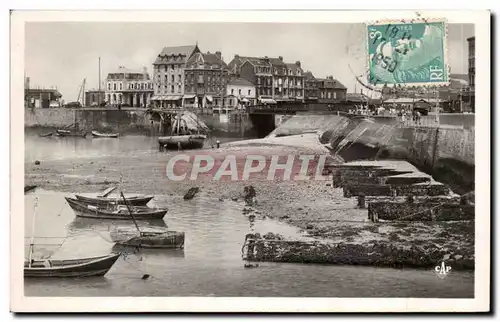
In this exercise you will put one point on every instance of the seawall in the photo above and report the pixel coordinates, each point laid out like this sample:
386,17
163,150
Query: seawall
124,120
130,120
446,152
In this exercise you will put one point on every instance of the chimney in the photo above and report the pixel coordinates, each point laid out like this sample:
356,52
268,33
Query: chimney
297,63
330,77
27,83
280,58
236,56
218,54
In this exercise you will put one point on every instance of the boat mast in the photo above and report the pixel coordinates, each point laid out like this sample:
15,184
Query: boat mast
32,241
130,212
99,92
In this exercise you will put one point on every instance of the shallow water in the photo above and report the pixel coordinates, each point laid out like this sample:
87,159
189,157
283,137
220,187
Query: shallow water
210,264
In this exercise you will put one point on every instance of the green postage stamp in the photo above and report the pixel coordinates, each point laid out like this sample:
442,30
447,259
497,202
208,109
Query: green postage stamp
407,53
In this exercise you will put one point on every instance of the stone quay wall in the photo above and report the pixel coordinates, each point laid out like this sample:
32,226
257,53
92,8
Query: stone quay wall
446,152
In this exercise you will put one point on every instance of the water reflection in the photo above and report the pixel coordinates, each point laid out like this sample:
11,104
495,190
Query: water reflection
152,254
82,223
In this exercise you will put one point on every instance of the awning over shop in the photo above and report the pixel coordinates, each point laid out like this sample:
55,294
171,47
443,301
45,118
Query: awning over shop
156,98
189,96
209,98
245,100
267,100
172,98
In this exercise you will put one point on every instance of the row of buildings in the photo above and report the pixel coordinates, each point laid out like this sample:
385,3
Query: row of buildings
185,76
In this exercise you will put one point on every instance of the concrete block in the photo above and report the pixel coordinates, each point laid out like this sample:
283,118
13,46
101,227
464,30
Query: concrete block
431,211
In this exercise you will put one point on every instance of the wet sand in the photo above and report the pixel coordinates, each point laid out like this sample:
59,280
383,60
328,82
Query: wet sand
314,206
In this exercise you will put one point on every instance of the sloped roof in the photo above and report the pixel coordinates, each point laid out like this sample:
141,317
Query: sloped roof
275,61
293,66
208,58
186,51
309,76
336,83
178,50
240,82
257,61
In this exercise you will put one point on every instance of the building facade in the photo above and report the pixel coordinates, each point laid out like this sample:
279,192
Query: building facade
205,76
330,90
311,92
94,98
169,75
259,72
41,97
274,79
127,87
240,93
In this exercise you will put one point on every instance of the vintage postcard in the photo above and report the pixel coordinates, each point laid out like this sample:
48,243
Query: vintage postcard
271,161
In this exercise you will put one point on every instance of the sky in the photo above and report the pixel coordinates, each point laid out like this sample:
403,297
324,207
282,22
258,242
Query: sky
62,54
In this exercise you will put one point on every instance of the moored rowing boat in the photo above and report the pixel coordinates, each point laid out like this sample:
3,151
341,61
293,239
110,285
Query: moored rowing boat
114,211
103,201
83,267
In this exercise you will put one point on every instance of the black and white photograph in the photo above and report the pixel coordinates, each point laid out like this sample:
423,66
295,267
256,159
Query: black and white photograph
299,156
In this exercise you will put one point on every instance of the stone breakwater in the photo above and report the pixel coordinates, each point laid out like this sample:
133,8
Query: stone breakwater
405,226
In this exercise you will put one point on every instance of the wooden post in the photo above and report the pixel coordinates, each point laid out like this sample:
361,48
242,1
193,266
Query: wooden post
361,201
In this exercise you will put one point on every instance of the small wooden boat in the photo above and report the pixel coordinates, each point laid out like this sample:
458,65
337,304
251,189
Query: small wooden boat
182,136
149,239
113,211
78,267
193,141
68,133
43,135
29,188
103,201
97,134
82,267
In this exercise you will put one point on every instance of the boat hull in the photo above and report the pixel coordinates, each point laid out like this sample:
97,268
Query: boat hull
95,266
65,133
103,201
185,141
89,211
104,135
168,239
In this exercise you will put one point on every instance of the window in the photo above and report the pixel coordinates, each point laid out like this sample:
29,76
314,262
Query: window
179,89
329,95
249,91
239,92
172,88
114,86
173,78
232,91
179,77
335,95
120,86
109,87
